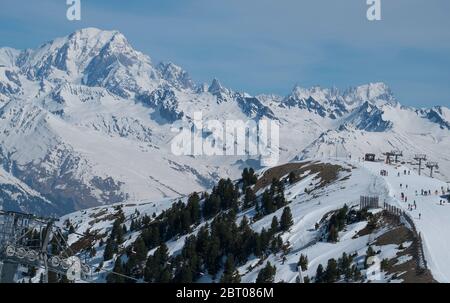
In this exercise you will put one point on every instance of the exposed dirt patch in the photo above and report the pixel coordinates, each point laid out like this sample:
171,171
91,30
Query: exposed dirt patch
86,242
110,217
407,270
277,173
326,172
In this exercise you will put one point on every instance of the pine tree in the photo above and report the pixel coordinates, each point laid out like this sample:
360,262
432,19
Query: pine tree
331,273
369,253
286,219
274,227
186,275
344,266
267,203
249,198
333,234
303,262
117,231
319,274
267,274
248,178
211,206
194,207
213,257
165,276
109,250
156,265
115,276
140,250
245,178
230,274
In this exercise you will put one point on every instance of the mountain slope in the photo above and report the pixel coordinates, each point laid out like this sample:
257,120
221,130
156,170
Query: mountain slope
318,195
87,120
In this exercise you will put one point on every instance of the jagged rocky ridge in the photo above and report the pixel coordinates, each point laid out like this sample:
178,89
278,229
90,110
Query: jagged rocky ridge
87,120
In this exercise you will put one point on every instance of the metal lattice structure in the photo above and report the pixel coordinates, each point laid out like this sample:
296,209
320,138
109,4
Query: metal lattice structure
419,158
396,154
393,153
432,166
25,240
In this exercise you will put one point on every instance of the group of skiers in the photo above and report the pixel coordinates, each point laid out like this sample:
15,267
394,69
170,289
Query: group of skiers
412,206
405,172
427,192
423,192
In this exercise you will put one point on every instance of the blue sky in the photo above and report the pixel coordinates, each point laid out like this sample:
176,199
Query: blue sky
267,46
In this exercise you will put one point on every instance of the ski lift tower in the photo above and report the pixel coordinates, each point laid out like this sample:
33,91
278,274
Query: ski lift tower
432,166
12,226
25,239
419,158
396,154
388,157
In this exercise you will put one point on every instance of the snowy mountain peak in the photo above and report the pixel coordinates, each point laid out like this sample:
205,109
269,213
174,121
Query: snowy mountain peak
367,117
175,75
378,93
215,86
8,56
91,57
437,114
72,53
321,95
322,101
221,93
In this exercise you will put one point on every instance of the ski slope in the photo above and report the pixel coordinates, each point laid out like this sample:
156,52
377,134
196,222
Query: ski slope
431,219
354,179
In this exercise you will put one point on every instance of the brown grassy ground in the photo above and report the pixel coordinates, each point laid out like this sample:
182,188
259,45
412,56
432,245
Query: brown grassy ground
326,172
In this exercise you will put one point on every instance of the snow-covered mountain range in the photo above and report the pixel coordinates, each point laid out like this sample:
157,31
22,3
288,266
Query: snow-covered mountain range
87,120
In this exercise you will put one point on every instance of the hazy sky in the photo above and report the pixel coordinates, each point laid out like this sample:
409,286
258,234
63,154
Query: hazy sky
266,46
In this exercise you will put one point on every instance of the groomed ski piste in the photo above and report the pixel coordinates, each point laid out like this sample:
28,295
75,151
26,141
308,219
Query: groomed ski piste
431,217
354,179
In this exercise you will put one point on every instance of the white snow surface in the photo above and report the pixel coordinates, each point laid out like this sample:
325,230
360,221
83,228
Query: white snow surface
89,107
307,209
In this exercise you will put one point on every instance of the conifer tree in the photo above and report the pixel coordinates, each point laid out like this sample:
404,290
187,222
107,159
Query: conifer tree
249,198
274,226
331,273
267,274
109,249
286,219
118,270
267,203
230,274
194,207
333,234
319,274
303,262
140,250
